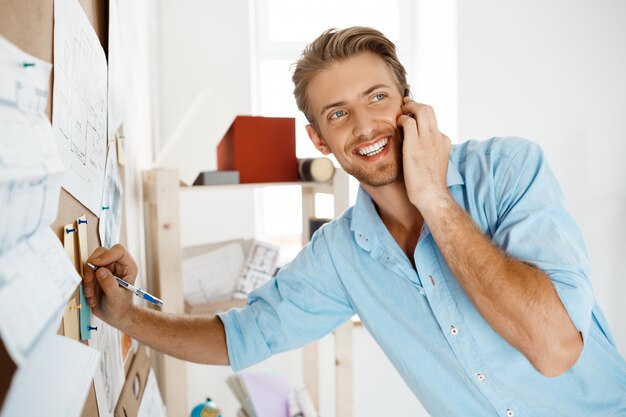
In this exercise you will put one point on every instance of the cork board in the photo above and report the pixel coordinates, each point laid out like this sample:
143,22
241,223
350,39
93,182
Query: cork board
29,24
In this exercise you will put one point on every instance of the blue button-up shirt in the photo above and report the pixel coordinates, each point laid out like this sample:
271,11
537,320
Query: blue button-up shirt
453,361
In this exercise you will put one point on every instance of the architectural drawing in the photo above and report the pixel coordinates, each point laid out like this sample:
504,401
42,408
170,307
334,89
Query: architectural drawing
79,115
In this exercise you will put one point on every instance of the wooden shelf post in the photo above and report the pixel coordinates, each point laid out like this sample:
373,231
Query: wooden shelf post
164,274
343,335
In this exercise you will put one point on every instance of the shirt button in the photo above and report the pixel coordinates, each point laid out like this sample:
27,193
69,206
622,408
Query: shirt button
510,413
421,291
454,330
481,377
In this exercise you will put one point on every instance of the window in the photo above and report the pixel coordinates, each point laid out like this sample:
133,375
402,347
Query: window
282,28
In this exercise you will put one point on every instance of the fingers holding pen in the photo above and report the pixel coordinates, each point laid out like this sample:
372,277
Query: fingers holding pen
89,286
117,260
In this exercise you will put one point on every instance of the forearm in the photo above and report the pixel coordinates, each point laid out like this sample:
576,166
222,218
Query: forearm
517,300
199,339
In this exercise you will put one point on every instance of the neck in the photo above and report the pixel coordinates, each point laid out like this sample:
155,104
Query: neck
401,218
394,207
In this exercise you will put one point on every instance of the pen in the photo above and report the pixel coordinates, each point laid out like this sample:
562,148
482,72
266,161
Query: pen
130,287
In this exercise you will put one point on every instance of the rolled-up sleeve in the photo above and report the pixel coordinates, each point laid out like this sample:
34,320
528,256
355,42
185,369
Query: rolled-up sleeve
535,227
302,303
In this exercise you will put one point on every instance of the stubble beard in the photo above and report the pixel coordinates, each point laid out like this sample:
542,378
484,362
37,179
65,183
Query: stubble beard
385,173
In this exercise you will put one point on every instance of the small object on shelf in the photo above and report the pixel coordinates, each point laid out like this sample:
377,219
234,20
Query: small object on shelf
262,149
206,409
217,178
315,223
316,169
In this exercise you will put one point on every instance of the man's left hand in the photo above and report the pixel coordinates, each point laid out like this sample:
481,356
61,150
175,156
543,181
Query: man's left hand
425,154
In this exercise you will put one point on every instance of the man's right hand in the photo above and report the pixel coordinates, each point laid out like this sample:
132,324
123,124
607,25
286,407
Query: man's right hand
108,300
199,339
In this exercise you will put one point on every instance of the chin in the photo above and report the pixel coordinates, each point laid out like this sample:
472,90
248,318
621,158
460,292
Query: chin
382,177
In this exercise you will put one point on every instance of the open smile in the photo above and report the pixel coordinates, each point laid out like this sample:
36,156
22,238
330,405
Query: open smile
371,149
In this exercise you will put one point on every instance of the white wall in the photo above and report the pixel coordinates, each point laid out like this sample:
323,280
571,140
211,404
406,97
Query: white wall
137,28
204,45
555,72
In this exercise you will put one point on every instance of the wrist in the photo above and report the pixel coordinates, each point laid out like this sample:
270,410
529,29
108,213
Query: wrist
126,319
432,202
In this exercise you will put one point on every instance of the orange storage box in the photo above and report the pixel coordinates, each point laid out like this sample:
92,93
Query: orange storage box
262,149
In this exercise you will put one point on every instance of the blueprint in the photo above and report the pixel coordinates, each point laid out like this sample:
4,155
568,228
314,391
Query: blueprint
79,117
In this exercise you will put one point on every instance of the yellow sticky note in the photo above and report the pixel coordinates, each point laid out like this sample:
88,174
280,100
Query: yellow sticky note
71,327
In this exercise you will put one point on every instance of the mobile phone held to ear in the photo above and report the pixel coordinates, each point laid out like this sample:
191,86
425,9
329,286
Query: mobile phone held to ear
407,93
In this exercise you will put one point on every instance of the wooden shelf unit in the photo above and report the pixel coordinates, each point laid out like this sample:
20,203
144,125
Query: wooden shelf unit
164,259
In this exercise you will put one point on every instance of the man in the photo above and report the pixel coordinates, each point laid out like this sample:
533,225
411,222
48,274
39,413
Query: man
461,261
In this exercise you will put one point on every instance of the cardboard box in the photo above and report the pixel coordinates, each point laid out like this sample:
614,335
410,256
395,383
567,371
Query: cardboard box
262,149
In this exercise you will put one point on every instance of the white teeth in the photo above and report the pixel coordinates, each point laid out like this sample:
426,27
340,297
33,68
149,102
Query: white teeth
373,149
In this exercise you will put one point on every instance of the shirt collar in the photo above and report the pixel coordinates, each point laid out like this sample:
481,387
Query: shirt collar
365,216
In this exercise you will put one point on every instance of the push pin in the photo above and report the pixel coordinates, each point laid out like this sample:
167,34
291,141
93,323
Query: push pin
28,64
76,307
105,207
68,231
81,221
93,328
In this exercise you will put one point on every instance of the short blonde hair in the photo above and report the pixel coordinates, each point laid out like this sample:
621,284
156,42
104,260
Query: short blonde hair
335,45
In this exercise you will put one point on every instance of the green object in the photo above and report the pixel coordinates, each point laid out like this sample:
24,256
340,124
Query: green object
206,409
85,316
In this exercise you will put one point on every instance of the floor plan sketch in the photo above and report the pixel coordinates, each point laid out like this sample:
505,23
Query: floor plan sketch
79,108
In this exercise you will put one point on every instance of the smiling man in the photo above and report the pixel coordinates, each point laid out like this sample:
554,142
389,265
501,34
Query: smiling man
460,260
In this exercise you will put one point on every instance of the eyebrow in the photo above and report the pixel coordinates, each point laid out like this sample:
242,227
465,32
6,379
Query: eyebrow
361,95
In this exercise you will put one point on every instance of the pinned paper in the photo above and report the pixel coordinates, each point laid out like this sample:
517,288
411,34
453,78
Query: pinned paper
36,280
71,325
111,215
120,141
80,76
56,362
69,242
83,251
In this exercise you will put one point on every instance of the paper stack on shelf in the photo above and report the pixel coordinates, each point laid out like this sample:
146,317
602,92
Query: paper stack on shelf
210,272
226,270
259,268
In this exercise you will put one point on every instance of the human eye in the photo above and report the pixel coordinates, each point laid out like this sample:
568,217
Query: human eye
379,97
336,114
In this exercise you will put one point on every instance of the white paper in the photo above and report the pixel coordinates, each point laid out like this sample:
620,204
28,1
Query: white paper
54,381
116,75
36,280
109,377
79,115
212,275
30,166
111,214
151,402
258,268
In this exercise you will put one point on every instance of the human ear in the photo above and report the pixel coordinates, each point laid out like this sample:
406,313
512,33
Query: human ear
317,140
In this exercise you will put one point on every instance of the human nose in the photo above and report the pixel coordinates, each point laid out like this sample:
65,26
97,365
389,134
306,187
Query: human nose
363,123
